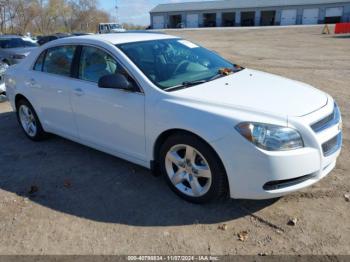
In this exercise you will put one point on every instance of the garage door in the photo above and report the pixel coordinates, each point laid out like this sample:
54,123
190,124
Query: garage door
334,11
192,20
310,16
158,22
289,17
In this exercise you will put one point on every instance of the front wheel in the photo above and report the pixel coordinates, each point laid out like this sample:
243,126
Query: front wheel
192,169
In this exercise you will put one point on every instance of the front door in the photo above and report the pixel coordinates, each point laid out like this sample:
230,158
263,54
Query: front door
111,119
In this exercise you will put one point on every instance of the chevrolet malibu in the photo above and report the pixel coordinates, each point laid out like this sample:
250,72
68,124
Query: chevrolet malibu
211,127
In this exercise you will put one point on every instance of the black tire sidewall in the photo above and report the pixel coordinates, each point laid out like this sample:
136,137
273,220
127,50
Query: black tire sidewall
218,187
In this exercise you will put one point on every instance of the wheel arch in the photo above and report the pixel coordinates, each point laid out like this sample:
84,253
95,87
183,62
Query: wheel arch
171,132
19,97
165,135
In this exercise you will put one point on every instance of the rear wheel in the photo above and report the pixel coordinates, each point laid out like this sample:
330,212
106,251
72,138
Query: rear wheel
29,121
192,169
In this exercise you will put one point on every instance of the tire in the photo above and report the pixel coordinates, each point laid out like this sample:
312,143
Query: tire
29,121
192,169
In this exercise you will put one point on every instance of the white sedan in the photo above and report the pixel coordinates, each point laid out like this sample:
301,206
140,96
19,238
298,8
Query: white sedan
211,127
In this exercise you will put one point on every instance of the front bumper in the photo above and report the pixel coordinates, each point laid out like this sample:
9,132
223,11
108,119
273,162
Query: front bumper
258,174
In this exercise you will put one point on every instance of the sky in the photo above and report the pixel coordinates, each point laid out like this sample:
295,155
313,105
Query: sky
135,11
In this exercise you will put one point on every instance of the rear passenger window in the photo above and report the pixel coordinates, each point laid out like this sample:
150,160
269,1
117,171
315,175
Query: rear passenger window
58,60
39,62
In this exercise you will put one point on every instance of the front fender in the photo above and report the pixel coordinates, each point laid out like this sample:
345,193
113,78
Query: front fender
209,122
169,115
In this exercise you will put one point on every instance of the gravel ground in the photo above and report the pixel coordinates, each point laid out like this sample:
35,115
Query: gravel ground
58,197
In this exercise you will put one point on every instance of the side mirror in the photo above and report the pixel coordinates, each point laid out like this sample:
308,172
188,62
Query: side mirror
116,81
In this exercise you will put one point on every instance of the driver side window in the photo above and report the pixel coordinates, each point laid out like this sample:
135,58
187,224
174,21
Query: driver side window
95,63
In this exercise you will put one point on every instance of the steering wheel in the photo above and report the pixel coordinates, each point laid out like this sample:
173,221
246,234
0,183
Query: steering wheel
179,66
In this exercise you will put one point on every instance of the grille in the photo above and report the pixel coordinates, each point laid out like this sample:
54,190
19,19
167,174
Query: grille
319,126
332,145
328,121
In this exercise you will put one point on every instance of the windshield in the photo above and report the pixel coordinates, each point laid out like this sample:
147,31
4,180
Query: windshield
28,43
175,62
15,43
115,26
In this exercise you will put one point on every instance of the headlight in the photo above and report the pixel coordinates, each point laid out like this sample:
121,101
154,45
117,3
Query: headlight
271,137
18,56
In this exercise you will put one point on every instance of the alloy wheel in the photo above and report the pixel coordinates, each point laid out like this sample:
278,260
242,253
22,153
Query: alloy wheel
188,170
27,120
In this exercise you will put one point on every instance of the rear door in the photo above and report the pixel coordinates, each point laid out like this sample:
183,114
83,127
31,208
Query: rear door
111,120
50,84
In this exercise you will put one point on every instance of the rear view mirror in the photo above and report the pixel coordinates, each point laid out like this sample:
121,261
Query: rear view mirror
116,81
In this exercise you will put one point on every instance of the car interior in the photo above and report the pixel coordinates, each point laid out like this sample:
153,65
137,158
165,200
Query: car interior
169,63
95,64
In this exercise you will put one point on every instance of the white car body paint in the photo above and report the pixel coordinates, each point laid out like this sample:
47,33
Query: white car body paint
127,125
2,88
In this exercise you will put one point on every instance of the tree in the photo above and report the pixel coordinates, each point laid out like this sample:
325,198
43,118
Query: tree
50,16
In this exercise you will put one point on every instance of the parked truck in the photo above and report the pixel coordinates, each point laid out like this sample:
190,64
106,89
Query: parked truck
106,28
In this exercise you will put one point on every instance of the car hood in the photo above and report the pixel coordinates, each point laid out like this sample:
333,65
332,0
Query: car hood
260,92
21,50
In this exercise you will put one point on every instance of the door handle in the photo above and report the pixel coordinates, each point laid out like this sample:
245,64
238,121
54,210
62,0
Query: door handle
78,92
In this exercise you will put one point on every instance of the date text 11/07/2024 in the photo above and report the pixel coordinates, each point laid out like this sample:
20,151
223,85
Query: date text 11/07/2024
173,258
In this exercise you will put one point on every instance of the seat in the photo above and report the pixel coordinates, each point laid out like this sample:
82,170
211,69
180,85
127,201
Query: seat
134,55
161,68
95,67
58,63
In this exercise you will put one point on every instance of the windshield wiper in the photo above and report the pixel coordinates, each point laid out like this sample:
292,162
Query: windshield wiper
221,73
185,85
193,83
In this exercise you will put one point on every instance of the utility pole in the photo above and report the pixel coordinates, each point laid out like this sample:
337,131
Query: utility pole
116,11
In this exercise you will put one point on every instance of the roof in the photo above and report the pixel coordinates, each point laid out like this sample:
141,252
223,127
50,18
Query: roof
236,4
10,36
117,38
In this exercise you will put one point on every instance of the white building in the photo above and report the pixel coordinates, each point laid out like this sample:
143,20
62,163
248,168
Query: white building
249,13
